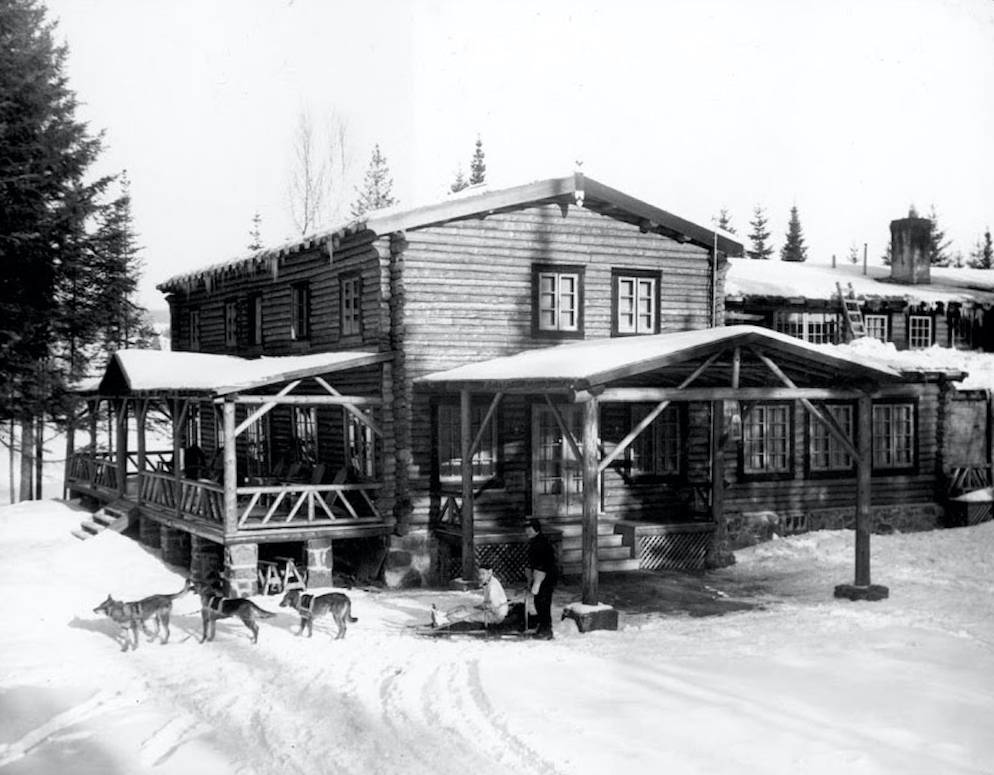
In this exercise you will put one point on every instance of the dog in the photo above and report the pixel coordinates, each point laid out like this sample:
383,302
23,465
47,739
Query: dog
132,614
310,606
214,606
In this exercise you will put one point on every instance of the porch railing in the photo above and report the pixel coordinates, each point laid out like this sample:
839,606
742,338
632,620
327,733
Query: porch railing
100,472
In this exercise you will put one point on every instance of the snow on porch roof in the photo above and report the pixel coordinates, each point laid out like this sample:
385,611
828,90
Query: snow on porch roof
148,371
581,365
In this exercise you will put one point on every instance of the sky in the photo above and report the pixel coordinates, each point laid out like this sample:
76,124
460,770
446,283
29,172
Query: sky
852,111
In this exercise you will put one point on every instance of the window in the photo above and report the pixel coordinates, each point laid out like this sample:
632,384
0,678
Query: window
658,449
766,440
635,304
195,329
558,300
826,452
300,311
919,331
305,434
814,327
255,318
193,433
231,324
877,327
450,445
351,306
360,446
893,436
257,447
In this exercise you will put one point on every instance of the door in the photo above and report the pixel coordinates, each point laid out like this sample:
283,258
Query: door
557,474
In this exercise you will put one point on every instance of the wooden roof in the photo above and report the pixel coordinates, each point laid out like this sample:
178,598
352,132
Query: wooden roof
573,191
132,372
669,360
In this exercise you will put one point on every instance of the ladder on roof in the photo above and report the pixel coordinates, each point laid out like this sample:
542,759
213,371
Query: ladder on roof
852,313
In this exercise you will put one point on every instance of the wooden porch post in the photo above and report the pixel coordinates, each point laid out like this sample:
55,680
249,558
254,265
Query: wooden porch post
466,455
230,470
591,499
141,414
863,517
718,558
177,455
121,461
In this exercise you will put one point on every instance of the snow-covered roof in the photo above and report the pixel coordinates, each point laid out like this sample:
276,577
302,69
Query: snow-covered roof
146,371
813,281
477,202
580,365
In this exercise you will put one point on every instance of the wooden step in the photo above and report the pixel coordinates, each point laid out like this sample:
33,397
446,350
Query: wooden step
81,534
571,556
603,566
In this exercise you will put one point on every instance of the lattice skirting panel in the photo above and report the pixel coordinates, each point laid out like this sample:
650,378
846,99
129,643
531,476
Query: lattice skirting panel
676,551
507,560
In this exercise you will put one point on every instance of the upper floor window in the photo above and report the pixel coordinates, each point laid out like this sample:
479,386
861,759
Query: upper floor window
919,331
195,329
877,327
300,311
658,450
825,452
255,318
636,303
450,444
558,300
305,434
814,327
231,323
894,436
767,433
351,305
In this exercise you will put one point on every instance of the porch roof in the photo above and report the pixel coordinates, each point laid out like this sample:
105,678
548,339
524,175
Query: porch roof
672,359
157,371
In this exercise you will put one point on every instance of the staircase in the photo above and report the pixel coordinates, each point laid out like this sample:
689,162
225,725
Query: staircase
851,312
115,516
612,554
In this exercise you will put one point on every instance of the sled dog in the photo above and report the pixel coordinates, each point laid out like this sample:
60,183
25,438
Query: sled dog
131,615
311,606
214,606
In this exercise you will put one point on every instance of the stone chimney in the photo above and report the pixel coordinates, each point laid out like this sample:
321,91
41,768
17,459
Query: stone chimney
909,240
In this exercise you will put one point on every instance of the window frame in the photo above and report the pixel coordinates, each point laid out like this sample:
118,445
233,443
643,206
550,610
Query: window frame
889,468
350,317
194,323
747,473
834,447
359,442
255,326
304,434
636,276
558,271
783,323
447,425
673,416
913,318
882,317
300,311
231,323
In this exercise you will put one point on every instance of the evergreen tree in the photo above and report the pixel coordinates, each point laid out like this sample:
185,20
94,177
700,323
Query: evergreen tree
982,256
255,233
938,245
477,167
794,249
459,183
376,191
759,235
853,254
725,221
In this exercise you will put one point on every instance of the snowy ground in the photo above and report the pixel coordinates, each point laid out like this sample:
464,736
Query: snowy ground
803,683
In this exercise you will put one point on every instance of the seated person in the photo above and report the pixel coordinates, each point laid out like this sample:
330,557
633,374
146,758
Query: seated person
491,610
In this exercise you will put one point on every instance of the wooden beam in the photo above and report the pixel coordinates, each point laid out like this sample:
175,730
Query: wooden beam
863,490
634,434
465,429
230,470
258,413
563,429
308,400
655,395
351,409
475,446
591,501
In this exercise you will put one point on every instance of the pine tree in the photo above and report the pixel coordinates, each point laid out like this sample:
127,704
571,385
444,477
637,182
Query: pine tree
982,256
459,183
938,245
793,249
376,191
725,221
255,233
853,254
759,235
477,167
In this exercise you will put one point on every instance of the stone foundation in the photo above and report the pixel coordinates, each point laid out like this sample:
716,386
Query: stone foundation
320,563
206,558
241,562
150,533
408,561
175,545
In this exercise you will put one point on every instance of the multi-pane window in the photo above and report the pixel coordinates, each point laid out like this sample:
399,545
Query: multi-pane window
360,446
893,436
877,327
657,450
826,452
305,434
231,324
255,318
300,311
257,447
635,304
766,439
195,329
194,434
450,443
558,300
814,327
919,331
351,306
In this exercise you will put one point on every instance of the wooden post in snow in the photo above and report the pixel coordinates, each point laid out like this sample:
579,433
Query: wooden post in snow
591,500
230,470
121,427
466,455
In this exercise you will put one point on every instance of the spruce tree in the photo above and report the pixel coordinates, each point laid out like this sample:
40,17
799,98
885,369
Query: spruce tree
255,233
725,221
477,167
377,186
759,235
459,183
793,248
938,245
853,254
982,256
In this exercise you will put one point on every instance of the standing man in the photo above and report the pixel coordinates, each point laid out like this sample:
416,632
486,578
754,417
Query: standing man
542,573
